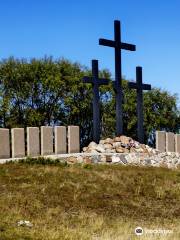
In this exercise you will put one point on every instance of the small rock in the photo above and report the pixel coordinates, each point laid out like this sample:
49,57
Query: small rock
72,160
139,150
117,139
120,150
124,145
163,154
108,146
175,161
100,148
108,140
153,162
92,145
147,161
135,161
123,159
132,143
144,148
85,149
115,159
136,144
95,158
108,159
170,154
102,141
154,151
116,144
103,158
24,223
125,139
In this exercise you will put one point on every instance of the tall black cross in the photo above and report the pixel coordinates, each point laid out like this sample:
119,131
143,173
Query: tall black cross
118,45
140,87
96,81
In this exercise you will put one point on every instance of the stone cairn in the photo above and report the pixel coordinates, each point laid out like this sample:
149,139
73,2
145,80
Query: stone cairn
126,151
120,144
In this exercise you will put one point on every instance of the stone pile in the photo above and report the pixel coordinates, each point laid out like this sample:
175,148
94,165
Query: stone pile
121,144
166,159
124,150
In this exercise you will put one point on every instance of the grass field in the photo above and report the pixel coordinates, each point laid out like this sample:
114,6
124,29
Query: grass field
88,201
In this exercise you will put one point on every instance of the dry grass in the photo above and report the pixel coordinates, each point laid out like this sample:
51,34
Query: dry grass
87,201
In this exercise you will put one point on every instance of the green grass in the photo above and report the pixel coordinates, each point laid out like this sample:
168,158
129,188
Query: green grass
87,201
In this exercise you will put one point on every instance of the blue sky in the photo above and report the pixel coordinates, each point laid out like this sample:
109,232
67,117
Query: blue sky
71,29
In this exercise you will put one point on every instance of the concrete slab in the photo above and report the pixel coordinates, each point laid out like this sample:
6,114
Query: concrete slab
161,141
46,140
60,140
18,142
177,143
170,142
4,143
73,139
33,143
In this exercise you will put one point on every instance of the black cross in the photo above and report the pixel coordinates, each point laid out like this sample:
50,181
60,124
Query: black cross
96,81
118,45
140,87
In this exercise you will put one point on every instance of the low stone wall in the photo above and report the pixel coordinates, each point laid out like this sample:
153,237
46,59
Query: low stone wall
168,160
44,141
167,141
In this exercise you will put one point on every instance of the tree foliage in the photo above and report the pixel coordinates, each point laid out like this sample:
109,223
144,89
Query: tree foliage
50,92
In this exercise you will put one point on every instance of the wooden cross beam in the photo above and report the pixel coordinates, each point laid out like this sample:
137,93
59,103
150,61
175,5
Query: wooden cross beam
139,86
96,82
118,45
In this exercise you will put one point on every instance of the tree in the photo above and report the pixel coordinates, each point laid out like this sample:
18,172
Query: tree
160,113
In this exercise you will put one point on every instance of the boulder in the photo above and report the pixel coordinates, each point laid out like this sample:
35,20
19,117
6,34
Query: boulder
120,150
117,139
100,148
92,145
108,146
108,140
116,159
116,144
85,149
125,139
